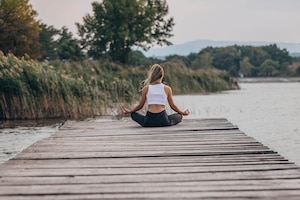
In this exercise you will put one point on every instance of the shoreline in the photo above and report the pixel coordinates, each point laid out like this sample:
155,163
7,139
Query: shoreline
268,80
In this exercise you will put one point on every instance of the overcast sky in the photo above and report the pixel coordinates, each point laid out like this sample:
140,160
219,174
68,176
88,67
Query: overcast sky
238,20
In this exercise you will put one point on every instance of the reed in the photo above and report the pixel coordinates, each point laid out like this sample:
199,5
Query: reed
185,81
36,90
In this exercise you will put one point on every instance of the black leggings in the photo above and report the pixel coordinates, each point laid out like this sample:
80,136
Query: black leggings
156,119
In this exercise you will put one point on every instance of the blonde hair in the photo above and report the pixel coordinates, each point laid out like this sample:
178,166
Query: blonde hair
155,73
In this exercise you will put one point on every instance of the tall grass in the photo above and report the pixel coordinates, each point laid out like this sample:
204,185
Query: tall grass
36,90
185,81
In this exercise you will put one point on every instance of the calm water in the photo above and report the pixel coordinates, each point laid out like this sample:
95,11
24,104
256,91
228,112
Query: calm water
269,112
18,135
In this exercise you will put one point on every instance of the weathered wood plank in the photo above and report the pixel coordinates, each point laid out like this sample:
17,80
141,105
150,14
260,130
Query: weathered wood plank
153,178
117,148
136,162
120,154
208,158
227,195
173,159
140,170
197,186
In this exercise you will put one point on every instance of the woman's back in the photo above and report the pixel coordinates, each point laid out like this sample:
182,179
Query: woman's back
156,94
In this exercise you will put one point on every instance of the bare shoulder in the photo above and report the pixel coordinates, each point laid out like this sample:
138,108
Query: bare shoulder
167,89
145,89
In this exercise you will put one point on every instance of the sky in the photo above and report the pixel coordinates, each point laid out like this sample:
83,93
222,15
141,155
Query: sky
233,20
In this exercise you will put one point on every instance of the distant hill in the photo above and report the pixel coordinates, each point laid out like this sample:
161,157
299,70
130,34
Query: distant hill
197,45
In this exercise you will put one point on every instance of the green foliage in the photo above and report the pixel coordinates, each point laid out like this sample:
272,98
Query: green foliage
183,59
118,25
280,55
201,61
245,60
59,44
228,59
48,42
246,67
34,90
68,48
269,68
19,31
256,55
186,81
137,58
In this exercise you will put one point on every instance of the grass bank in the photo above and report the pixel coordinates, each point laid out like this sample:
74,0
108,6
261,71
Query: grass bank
42,90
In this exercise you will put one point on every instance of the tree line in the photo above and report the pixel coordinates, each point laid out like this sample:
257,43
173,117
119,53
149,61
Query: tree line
245,61
109,32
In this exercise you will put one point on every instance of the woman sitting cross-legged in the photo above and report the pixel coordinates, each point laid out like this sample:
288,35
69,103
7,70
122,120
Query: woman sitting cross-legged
157,95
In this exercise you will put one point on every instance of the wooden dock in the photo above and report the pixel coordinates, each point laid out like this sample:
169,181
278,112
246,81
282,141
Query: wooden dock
197,159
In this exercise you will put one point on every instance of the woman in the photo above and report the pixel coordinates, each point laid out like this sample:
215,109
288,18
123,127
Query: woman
157,95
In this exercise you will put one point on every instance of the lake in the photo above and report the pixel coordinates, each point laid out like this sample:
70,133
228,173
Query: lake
268,112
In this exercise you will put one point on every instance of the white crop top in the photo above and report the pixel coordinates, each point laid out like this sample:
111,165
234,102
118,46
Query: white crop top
156,94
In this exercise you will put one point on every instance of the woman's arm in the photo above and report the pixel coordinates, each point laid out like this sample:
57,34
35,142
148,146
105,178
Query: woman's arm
141,103
168,91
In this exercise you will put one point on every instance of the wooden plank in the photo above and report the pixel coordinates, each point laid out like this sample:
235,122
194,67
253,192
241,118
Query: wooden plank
207,158
141,170
277,195
137,162
216,186
157,153
173,159
279,175
117,148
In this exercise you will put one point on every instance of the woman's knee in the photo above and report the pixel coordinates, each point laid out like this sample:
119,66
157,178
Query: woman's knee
138,118
175,118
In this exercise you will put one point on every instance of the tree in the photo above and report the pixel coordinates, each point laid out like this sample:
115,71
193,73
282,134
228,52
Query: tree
227,58
202,61
59,44
184,59
19,31
257,56
137,58
191,58
47,38
68,48
245,67
118,25
269,68
277,54
280,55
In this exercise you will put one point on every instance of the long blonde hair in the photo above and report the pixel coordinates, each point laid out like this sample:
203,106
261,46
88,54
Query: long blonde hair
155,73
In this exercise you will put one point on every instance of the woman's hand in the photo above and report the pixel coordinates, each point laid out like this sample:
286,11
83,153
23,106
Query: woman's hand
125,111
186,112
